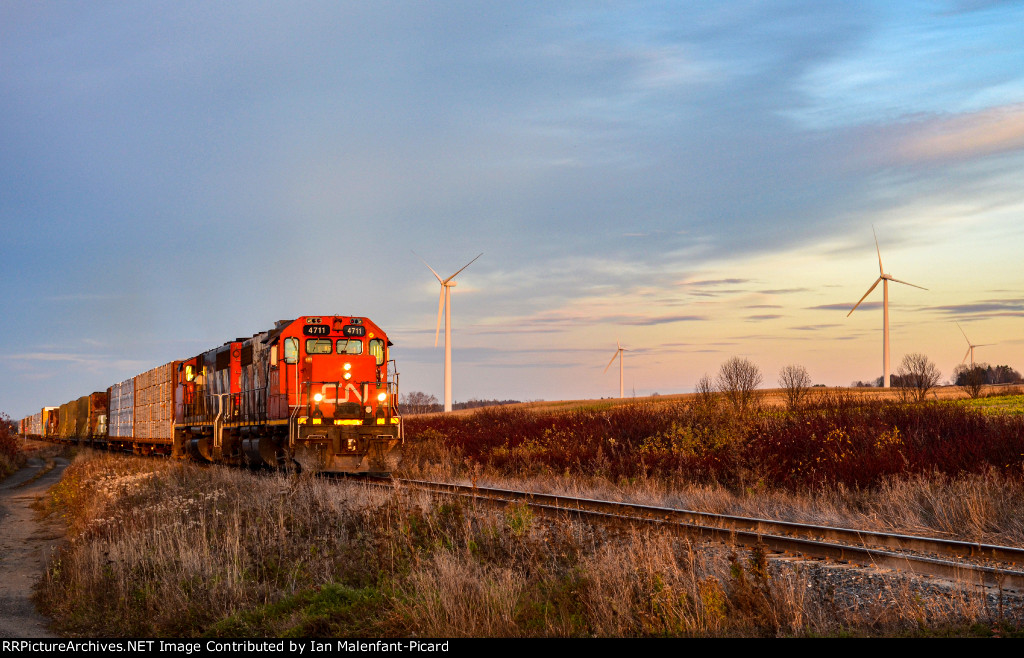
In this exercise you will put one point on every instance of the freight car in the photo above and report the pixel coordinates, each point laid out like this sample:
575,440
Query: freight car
318,391
84,421
42,425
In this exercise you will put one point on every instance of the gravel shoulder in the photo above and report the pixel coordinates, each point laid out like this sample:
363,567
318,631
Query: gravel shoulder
26,542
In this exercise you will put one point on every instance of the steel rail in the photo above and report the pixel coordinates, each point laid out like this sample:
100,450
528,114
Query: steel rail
861,546
938,545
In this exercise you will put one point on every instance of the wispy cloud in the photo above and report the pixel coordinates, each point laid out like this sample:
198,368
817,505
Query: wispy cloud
53,356
988,308
712,282
845,307
637,320
969,135
487,331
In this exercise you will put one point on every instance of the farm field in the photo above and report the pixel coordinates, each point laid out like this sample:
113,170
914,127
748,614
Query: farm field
167,548
766,397
1006,404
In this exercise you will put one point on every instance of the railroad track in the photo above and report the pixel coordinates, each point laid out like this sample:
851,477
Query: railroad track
974,563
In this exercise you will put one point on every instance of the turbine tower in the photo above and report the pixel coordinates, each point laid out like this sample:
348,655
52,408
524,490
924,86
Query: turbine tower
970,347
618,353
885,279
444,305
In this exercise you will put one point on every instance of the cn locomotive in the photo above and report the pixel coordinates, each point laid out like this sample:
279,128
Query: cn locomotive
318,391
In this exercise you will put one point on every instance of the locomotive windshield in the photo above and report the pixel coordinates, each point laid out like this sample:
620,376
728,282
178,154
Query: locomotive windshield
318,346
350,346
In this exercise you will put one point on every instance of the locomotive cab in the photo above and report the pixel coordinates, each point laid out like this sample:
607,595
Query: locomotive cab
339,393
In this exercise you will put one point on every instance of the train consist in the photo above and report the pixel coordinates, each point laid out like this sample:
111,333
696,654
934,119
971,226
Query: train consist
319,391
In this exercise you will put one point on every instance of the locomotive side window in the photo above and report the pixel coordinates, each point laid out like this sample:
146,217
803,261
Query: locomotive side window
377,349
291,350
350,346
318,346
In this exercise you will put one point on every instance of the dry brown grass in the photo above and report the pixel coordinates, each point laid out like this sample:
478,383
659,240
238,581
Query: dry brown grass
986,507
160,548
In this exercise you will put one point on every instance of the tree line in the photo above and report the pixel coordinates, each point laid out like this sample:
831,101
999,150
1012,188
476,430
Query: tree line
418,402
739,378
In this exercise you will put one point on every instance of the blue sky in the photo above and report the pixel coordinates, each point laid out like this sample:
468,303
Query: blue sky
697,180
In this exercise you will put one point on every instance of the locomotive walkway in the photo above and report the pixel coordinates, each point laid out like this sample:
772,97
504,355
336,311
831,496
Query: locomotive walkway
26,542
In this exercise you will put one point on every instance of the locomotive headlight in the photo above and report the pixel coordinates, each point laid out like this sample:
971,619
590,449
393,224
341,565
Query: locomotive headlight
348,375
347,366
318,397
382,397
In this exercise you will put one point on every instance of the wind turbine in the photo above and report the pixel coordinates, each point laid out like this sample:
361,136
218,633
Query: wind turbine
885,279
444,305
970,347
618,352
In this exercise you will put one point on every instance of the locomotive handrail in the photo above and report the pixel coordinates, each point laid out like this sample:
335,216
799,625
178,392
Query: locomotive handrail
218,428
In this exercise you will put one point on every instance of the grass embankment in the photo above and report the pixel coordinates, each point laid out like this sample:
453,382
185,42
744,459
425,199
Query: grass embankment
159,548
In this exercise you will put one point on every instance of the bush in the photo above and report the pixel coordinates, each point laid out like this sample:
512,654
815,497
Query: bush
11,456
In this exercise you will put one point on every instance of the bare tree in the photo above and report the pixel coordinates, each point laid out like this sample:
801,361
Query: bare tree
918,375
795,382
706,399
738,379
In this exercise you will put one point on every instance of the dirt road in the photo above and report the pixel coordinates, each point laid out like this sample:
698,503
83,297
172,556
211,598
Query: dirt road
26,542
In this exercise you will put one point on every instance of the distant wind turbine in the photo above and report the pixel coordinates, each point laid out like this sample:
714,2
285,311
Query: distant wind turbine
444,305
618,352
970,347
885,279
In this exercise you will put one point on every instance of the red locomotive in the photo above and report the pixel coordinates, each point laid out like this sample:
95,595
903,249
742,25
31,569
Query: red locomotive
319,391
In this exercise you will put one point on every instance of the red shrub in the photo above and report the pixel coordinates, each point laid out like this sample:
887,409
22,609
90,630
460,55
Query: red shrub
9,445
840,440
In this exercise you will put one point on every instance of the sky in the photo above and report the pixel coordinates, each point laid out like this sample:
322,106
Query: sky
695,180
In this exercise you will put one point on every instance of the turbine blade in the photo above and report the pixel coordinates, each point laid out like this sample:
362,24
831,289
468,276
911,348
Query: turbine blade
610,362
463,267
907,284
440,308
865,295
428,266
984,345
962,331
966,354
880,272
